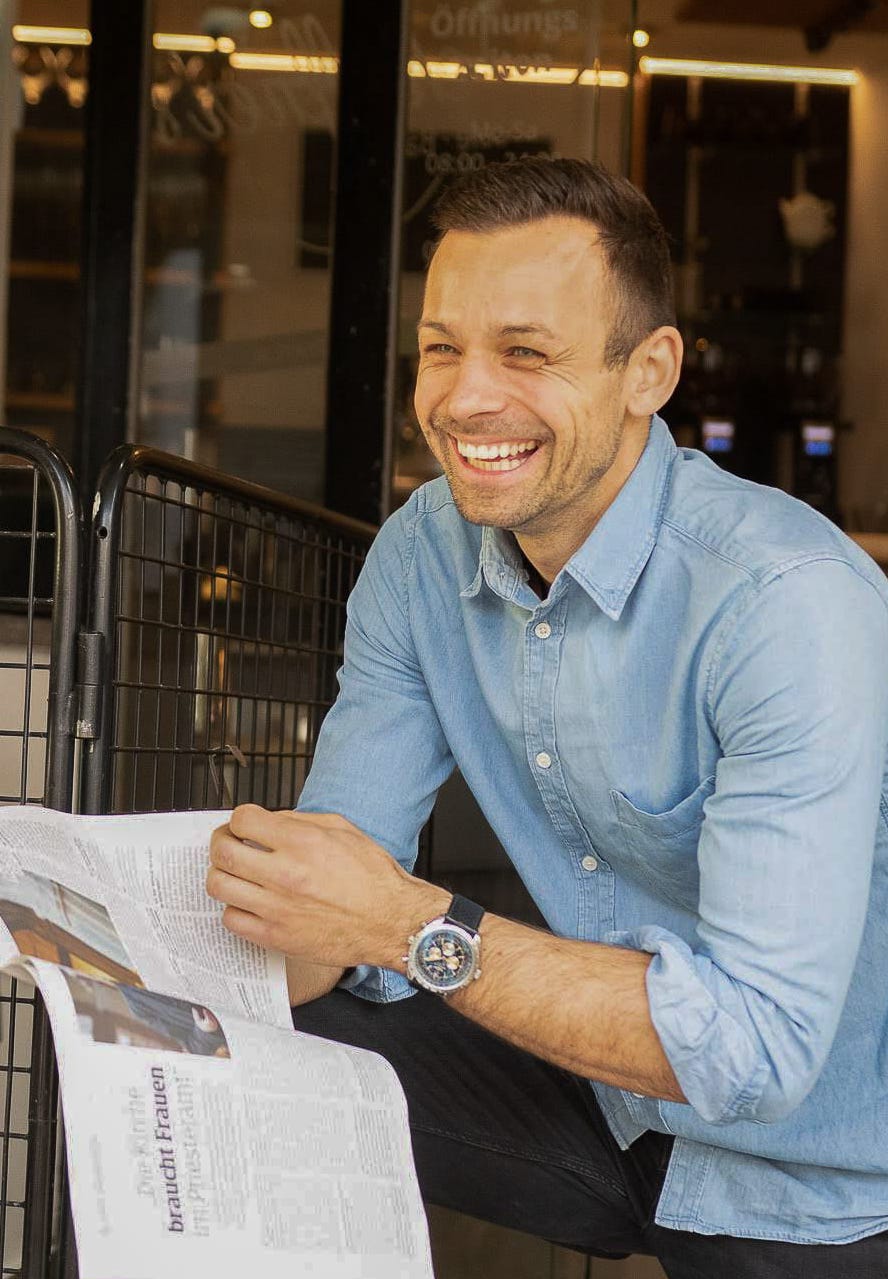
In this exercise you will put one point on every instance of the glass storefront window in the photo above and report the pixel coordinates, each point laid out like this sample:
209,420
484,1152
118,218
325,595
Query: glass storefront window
496,80
237,238
43,88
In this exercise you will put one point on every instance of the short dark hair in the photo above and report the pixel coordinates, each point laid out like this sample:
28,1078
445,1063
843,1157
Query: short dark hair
632,237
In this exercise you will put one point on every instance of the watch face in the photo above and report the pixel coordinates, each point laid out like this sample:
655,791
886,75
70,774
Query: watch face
445,958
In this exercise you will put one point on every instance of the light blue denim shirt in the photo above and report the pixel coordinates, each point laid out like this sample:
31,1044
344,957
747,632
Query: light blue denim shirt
687,758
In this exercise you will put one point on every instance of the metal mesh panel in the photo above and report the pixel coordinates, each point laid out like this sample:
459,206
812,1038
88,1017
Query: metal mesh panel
27,541
39,529
225,604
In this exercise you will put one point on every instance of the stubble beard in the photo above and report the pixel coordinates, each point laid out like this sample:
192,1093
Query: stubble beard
536,513
495,510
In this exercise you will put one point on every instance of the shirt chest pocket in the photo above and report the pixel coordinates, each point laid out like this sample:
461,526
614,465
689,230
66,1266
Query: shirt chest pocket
659,850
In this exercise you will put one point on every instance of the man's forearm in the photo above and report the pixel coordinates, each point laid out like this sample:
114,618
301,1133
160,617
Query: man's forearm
314,886
306,981
580,1005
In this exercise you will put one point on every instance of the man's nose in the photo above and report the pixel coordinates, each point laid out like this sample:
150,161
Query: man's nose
477,389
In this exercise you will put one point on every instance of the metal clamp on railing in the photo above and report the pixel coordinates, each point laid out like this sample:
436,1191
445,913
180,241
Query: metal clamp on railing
219,780
90,656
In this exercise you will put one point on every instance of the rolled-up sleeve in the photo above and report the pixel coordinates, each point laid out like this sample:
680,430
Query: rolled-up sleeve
381,754
798,698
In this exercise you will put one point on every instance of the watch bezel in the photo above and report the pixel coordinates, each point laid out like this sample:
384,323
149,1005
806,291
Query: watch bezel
471,943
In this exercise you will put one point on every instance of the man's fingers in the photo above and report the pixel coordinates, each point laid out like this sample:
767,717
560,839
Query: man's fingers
231,855
250,927
250,821
261,826
234,891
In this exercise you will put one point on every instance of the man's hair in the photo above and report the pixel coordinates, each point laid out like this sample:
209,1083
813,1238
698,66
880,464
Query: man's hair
631,235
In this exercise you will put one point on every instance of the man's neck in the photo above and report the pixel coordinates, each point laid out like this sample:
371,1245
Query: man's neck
535,579
547,551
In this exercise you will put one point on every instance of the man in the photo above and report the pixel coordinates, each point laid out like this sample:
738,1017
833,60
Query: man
666,688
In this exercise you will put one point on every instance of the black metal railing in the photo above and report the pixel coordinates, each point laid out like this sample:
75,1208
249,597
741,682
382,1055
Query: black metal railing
216,625
40,551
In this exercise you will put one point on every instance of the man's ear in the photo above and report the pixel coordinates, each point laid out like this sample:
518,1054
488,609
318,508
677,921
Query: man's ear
654,368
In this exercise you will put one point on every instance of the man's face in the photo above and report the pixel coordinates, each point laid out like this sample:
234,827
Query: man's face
512,393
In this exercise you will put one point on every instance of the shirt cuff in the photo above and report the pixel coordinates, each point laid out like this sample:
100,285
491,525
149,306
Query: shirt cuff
379,985
714,1060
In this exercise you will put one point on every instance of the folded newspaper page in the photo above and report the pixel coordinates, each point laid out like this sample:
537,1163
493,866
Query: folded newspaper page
204,1134
125,897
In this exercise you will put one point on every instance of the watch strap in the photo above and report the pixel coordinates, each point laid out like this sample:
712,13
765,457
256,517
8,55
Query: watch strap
466,913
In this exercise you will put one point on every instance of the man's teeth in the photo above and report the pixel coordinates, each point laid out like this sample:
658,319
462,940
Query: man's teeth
489,452
496,457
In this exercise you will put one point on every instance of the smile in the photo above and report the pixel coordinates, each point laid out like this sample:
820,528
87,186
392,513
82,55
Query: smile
506,455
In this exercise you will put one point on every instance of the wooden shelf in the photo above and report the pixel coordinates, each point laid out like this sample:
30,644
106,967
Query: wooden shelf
72,140
50,402
34,269
52,139
40,401
165,275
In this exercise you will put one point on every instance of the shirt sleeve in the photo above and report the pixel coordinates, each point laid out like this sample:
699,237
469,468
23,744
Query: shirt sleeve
798,698
381,755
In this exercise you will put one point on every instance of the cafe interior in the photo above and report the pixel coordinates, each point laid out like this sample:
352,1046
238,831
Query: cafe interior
215,221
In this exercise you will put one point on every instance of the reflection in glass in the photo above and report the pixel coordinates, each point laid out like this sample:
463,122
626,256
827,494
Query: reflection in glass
237,244
43,88
491,82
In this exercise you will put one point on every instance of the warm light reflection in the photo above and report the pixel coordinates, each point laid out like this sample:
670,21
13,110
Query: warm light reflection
315,64
641,39
50,35
542,75
183,43
747,71
261,19
604,78
444,70
311,64
518,75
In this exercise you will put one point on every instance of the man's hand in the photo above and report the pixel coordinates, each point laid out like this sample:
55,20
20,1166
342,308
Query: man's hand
315,887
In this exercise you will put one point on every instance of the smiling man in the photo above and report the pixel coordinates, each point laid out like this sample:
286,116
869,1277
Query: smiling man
665,687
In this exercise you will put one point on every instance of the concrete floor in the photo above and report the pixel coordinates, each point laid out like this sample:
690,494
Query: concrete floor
463,1248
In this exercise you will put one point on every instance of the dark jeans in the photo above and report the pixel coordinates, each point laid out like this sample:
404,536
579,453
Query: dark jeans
508,1138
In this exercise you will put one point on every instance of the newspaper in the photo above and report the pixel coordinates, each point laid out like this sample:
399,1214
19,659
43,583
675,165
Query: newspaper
204,1134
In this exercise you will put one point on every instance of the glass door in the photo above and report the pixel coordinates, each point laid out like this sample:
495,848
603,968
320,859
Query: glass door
44,73
490,82
237,243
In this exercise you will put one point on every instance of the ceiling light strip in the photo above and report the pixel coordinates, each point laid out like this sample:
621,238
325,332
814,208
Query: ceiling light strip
774,72
599,76
183,43
512,74
24,34
307,63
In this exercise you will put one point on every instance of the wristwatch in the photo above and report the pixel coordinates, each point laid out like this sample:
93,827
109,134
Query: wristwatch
445,954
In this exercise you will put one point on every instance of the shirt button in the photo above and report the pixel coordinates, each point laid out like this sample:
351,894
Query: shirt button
544,759
590,863
542,630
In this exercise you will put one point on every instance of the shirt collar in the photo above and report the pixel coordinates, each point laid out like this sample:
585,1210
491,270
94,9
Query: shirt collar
612,558
499,565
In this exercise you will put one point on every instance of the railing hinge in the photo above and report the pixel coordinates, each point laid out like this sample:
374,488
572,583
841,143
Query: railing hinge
90,661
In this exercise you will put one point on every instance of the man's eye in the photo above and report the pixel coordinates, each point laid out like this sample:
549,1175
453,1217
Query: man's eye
439,348
525,353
